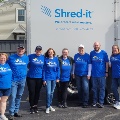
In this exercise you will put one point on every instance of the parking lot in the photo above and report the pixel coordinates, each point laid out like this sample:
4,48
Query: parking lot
73,112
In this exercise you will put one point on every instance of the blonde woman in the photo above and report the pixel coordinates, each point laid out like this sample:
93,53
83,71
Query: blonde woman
66,63
115,64
5,84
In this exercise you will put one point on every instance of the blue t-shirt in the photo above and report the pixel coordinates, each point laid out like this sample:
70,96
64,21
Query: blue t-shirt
18,66
98,61
35,66
51,69
65,70
5,76
81,64
115,64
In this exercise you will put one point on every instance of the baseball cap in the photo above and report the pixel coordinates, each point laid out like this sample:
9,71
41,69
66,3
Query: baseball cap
38,48
20,46
81,45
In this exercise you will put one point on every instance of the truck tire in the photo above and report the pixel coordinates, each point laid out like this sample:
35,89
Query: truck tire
72,91
110,98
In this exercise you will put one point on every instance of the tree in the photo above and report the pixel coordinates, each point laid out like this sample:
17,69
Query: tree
1,0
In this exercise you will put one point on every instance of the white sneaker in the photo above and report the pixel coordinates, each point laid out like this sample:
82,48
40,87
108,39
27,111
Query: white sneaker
51,108
116,105
3,117
47,110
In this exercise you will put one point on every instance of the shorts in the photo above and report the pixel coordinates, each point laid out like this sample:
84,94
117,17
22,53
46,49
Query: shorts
5,92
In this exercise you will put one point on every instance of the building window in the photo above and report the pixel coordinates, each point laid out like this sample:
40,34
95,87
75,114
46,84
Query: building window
20,37
20,15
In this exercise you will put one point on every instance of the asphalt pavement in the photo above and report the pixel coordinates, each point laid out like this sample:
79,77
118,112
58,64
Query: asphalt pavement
73,112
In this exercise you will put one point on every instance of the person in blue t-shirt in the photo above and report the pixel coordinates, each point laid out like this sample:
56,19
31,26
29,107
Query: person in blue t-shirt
18,63
82,73
115,64
51,75
66,63
5,84
99,61
34,78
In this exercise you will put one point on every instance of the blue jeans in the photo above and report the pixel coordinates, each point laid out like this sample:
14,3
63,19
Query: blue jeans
50,87
17,90
115,85
98,88
83,88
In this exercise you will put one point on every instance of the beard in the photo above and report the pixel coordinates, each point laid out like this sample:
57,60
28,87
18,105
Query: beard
97,49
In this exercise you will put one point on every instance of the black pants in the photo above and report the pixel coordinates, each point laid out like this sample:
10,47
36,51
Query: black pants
34,87
62,91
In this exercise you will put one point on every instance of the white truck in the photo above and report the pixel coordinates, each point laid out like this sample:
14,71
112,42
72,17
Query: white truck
62,24
67,23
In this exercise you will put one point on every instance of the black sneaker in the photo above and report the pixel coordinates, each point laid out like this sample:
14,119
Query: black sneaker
60,105
32,110
11,117
17,115
100,105
94,105
85,106
64,105
36,109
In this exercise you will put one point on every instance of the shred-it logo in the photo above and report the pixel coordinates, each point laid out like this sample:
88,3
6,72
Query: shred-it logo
79,16
62,13
46,10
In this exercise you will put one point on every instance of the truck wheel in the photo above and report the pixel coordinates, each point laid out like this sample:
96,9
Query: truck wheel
72,91
110,98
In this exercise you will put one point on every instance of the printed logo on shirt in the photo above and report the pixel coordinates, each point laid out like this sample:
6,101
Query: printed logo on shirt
51,64
19,62
64,63
80,60
114,59
2,69
97,59
37,61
